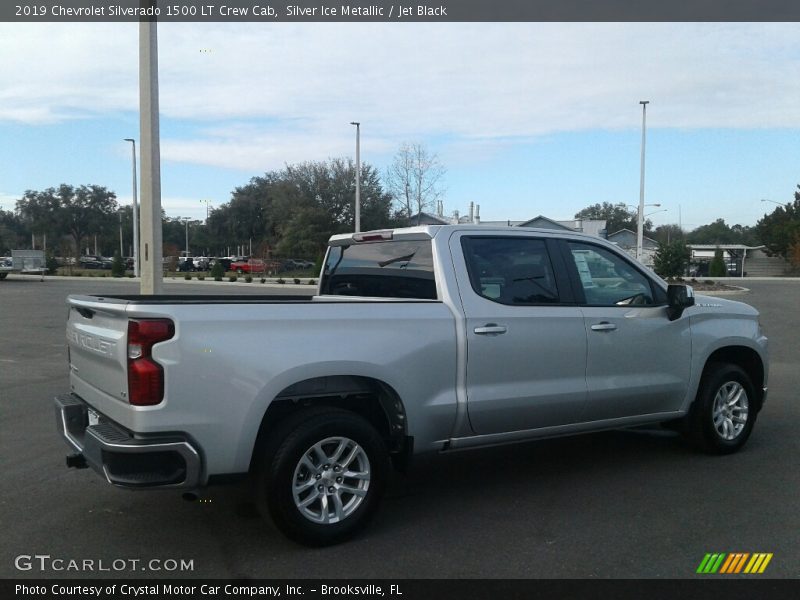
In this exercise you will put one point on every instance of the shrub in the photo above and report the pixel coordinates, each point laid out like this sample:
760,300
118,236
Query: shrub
312,282
217,271
187,276
201,278
717,266
281,280
263,280
78,274
51,264
249,279
130,275
232,278
296,281
709,281
117,266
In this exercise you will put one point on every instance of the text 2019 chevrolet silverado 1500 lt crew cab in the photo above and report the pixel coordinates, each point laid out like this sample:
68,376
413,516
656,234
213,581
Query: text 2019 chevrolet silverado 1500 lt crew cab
427,339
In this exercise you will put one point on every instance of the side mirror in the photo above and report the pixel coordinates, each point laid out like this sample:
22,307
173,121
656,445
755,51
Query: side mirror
679,298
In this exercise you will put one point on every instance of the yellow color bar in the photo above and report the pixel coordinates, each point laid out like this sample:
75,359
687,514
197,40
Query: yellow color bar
765,563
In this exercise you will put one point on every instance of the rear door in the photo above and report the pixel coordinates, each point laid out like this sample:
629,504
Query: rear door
526,341
638,361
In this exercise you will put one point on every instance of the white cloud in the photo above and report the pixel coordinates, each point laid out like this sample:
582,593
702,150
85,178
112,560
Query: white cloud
265,94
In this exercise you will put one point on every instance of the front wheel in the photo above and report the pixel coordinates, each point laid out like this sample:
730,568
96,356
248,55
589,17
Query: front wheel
326,477
723,415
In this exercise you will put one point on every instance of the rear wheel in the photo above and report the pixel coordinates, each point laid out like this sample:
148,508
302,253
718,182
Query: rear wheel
723,415
325,477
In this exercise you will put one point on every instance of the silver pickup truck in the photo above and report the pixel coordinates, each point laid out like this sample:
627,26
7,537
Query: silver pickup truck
427,339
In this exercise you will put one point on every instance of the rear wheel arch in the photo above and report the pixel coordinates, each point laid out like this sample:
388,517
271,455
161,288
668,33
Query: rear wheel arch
374,400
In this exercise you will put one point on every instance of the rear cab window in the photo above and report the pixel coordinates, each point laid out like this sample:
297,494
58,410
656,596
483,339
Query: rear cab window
386,269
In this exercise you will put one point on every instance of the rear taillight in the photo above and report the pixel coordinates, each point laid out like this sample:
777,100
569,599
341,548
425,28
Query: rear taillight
145,376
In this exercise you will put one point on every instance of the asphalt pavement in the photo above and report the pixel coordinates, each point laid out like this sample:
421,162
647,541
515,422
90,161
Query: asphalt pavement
629,504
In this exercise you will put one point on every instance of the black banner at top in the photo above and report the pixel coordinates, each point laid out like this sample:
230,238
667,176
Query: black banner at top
398,11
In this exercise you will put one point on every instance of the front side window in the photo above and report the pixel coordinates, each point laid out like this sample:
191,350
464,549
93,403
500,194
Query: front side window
392,269
608,279
510,270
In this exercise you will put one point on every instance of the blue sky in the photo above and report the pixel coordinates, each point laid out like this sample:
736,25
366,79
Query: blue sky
527,118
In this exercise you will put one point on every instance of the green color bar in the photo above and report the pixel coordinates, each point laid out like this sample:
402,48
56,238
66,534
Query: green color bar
718,563
701,568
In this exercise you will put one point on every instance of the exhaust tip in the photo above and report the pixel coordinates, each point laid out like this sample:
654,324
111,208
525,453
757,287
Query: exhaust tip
189,496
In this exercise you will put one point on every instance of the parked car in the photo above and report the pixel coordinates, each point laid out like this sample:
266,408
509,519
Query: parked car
251,265
94,262
427,339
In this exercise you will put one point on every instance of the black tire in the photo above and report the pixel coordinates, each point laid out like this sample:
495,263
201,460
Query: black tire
281,468
704,433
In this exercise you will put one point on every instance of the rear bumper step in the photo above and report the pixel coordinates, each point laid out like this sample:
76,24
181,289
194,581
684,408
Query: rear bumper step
124,460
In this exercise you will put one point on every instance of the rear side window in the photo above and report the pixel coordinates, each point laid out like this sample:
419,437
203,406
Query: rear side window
514,271
396,269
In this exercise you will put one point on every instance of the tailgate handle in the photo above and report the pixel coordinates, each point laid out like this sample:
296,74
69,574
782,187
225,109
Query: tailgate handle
85,312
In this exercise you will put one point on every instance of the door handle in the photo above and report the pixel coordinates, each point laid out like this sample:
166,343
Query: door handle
490,329
604,326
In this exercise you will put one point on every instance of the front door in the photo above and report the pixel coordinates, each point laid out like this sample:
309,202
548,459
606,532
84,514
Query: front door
638,361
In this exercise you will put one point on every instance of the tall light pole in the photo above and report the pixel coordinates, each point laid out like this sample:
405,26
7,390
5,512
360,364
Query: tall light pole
358,175
206,201
640,227
121,248
151,250
135,212
186,222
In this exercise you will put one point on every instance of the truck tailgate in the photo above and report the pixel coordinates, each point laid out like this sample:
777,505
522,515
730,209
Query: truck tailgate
96,335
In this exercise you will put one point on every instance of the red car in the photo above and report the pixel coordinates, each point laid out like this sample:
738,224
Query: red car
253,265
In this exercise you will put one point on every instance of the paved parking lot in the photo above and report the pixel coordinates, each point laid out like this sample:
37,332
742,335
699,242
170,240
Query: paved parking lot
619,504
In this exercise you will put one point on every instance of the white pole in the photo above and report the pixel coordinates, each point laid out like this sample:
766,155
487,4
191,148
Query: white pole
135,211
358,176
640,220
150,245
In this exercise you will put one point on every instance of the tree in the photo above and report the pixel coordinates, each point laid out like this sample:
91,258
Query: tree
664,234
617,217
414,179
11,231
671,258
293,212
78,212
717,266
720,232
780,230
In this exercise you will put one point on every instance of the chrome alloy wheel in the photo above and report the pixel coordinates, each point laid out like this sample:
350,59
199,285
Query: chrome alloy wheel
730,410
331,480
